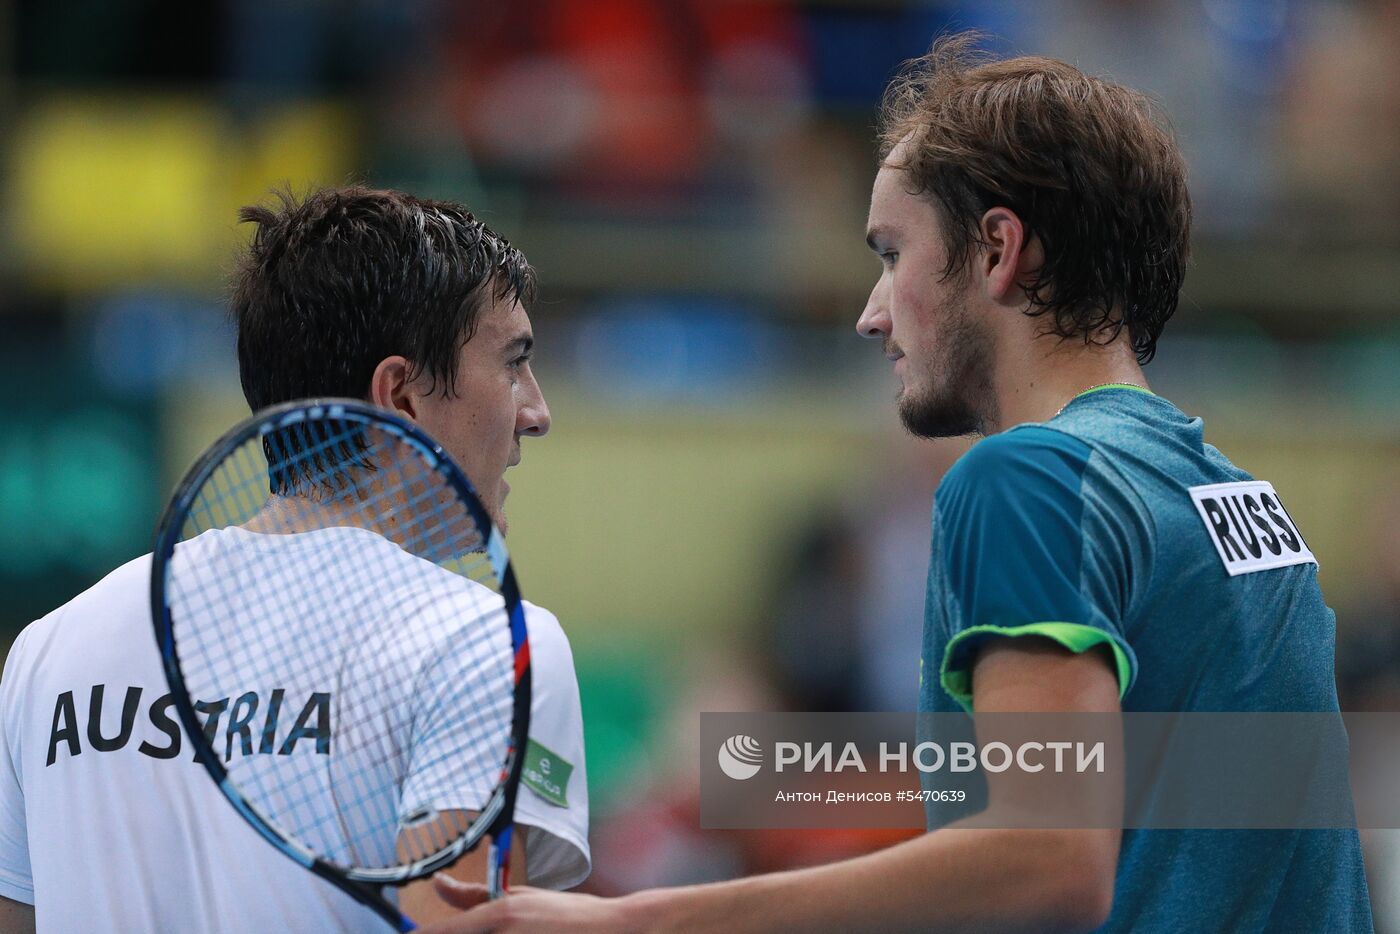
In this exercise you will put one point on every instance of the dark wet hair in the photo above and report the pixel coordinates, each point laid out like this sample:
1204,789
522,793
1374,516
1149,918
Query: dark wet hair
333,283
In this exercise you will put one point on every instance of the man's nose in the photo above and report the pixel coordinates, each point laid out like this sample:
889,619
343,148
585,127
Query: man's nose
534,414
874,321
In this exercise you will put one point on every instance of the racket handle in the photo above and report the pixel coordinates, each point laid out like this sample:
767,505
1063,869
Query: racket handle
498,864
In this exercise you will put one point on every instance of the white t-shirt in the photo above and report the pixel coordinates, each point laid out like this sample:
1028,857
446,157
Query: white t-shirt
108,824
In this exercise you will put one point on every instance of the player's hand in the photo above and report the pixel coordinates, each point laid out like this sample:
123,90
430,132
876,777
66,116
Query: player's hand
524,910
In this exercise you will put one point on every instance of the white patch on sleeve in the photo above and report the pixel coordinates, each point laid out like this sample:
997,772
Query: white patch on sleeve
1249,526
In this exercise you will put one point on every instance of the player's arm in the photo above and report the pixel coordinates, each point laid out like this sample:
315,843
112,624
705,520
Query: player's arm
16,917
419,900
952,879
549,825
948,880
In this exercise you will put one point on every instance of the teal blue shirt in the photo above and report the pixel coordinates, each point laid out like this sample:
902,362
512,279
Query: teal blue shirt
1083,530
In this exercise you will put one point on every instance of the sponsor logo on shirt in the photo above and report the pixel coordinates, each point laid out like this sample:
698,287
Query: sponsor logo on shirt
546,773
1249,526
252,727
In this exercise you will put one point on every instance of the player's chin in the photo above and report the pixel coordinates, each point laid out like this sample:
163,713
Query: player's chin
933,415
497,509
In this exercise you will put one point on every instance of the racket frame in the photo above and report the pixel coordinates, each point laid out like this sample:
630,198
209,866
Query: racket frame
496,817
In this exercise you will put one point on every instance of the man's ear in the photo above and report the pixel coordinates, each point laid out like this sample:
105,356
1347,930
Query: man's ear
390,387
1008,259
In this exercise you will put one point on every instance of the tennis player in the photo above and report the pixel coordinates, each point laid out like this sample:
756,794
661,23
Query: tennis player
106,822
1092,554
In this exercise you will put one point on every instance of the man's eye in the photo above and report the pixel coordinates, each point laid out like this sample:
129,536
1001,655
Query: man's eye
888,257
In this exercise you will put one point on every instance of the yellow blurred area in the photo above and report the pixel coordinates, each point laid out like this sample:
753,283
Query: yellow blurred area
617,522
111,190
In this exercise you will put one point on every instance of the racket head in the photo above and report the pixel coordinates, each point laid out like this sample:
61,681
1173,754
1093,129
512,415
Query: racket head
361,507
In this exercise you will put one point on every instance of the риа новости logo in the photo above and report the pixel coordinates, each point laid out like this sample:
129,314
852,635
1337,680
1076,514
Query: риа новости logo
740,757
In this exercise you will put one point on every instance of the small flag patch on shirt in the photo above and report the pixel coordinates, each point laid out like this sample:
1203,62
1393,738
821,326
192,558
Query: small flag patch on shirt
547,774
1249,526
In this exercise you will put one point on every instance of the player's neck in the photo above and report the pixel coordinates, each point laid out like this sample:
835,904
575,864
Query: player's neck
1035,384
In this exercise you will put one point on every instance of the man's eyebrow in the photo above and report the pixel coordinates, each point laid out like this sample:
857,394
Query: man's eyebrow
872,235
521,345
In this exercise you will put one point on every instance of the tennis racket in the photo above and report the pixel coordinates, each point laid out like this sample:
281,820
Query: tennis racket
345,644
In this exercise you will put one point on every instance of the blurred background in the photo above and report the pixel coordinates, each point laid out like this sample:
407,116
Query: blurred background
726,514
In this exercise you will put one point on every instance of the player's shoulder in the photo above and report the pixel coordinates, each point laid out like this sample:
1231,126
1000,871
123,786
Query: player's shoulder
536,615
134,573
89,626
125,586
548,641
1006,463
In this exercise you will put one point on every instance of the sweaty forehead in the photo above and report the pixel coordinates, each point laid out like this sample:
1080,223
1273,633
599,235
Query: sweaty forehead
892,168
890,200
889,181
504,321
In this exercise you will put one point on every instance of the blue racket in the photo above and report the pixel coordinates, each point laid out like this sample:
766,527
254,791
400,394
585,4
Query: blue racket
345,644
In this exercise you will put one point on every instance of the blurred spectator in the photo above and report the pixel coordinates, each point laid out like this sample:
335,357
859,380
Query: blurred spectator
847,625
894,537
623,101
812,640
1217,67
1343,140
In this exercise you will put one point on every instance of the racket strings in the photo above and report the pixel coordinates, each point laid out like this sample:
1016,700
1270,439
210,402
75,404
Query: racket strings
290,809
343,717
261,606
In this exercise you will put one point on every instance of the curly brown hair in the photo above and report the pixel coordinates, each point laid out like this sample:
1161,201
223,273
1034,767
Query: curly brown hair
1084,163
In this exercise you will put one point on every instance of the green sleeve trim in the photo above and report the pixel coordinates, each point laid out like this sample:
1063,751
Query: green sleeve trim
1076,637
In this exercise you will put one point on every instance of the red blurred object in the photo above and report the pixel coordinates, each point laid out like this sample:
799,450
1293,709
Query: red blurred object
617,96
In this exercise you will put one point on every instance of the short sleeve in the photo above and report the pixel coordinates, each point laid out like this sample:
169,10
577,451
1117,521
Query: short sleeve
1027,551
553,799
451,768
16,878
